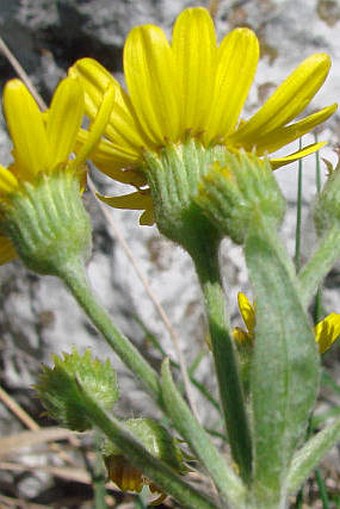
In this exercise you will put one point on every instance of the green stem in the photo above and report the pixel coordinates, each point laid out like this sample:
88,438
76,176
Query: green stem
322,489
234,409
226,480
160,473
297,256
75,279
97,474
320,264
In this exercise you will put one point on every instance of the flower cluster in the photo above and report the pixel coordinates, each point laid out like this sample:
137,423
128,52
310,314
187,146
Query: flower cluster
39,191
193,88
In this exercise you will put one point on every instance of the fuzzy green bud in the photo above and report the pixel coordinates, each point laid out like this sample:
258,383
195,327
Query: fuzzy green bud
173,176
232,191
47,223
58,388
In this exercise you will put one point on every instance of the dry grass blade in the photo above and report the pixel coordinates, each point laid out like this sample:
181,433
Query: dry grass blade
27,420
17,410
66,473
15,503
4,49
213,7
29,438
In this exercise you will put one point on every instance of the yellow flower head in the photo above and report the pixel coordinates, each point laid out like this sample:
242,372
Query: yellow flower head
43,142
194,88
326,332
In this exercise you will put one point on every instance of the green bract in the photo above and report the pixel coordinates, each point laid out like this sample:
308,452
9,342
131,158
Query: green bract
233,190
48,224
58,388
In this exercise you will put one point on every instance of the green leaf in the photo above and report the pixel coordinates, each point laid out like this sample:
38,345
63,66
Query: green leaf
285,368
226,480
307,458
321,262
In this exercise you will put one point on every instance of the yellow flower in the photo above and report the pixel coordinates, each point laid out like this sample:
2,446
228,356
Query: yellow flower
128,478
326,332
43,142
247,310
193,88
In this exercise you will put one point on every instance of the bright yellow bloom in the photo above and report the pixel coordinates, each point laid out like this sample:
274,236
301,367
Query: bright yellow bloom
128,478
326,332
194,88
43,142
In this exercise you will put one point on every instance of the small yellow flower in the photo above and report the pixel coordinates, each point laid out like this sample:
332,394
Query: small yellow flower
43,142
247,310
128,478
326,332
193,88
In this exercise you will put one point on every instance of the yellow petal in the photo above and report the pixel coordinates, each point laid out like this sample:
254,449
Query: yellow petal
152,82
123,128
299,154
240,336
284,135
237,62
8,182
134,201
327,331
27,130
247,311
7,251
97,127
194,47
289,99
115,162
64,119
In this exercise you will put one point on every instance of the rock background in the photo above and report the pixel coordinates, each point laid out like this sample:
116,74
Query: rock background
37,316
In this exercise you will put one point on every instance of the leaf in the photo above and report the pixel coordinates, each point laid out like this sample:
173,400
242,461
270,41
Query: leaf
285,367
310,455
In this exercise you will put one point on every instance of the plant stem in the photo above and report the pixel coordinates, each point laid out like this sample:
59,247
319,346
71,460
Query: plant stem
97,474
226,480
297,256
75,279
160,473
322,489
234,409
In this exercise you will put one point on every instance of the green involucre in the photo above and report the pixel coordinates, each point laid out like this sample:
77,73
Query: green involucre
58,387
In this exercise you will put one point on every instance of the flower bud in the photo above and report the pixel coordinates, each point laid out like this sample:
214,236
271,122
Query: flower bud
47,223
58,388
157,441
230,193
